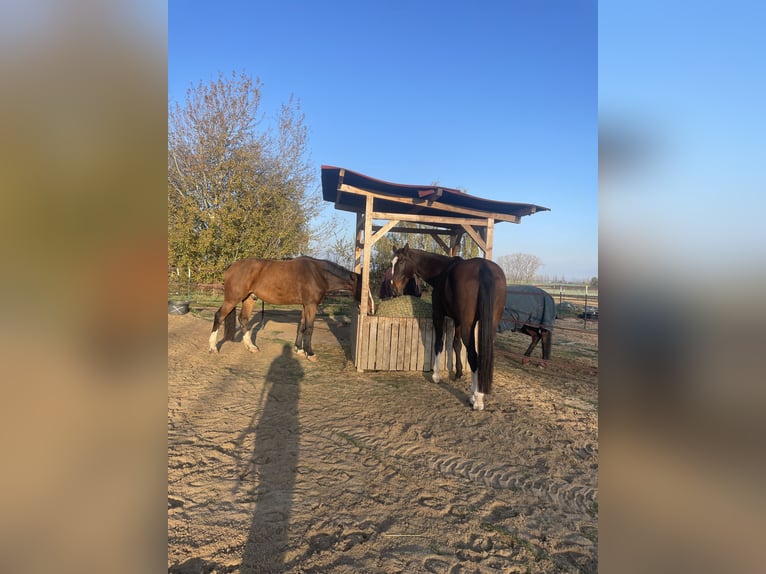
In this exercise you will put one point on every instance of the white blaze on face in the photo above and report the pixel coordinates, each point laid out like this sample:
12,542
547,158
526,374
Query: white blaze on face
393,270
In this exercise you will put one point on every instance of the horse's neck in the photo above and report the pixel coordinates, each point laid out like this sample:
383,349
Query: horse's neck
431,265
334,282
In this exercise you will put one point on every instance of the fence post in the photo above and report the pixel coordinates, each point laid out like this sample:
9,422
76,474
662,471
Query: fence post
585,310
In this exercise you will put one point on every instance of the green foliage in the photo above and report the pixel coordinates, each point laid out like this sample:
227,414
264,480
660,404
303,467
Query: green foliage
235,188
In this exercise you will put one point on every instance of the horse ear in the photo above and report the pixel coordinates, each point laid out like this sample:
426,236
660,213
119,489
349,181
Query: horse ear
406,247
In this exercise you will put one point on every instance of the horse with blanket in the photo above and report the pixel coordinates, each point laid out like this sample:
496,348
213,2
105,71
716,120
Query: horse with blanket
530,310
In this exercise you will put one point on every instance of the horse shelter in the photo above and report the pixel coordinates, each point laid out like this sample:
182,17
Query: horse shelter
448,215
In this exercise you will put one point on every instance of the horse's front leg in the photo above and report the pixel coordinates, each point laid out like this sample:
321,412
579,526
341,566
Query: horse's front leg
220,317
244,323
546,340
299,335
310,312
438,346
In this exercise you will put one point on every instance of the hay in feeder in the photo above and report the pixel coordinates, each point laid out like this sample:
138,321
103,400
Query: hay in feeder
404,306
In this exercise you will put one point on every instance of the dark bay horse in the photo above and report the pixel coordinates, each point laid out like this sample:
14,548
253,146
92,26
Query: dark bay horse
303,280
386,291
530,310
469,291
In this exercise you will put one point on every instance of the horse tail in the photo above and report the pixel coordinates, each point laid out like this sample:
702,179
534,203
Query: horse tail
486,331
230,325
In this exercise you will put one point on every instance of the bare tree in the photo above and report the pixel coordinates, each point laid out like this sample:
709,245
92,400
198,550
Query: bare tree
519,267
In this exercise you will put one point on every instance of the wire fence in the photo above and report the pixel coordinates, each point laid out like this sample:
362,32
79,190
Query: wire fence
572,301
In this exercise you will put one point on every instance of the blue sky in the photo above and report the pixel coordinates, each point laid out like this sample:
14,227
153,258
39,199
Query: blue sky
497,97
689,81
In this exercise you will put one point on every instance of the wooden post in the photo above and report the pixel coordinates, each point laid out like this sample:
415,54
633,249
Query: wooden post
489,238
358,241
366,247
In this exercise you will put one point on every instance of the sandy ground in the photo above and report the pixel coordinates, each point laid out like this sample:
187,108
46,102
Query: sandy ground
277,464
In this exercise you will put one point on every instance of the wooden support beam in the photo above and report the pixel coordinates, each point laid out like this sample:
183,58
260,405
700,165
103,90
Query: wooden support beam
358,241
490,237
441,243
366,256
341,175
375,228
454,242
381,231
419,202
445,220
476,237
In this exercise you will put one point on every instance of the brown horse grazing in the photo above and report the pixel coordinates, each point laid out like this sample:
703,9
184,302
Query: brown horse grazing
469,291
303,280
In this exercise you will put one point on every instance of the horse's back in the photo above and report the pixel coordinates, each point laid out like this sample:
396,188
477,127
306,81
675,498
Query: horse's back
239,276
528,305
463,286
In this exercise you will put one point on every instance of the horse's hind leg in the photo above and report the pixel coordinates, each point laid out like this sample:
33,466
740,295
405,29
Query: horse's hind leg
220,316
438,346
469,338
457,348
244,322
535,334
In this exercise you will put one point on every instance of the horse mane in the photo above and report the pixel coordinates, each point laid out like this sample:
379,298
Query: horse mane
335,269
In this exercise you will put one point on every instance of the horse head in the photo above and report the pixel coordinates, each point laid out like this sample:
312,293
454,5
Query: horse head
402,269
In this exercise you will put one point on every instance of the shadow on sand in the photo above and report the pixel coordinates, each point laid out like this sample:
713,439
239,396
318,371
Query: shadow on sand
273,466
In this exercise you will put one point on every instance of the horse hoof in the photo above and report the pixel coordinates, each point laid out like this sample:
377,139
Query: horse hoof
299,351
312,358
435,377
478,407
254,349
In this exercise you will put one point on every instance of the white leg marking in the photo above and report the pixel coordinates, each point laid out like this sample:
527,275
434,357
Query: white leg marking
247,339
437,368
478,404
213,341
474,387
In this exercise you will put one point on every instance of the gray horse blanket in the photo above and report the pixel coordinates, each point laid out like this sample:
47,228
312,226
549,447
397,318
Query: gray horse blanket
527,305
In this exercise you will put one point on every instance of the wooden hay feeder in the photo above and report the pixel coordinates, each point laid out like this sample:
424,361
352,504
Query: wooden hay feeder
406,343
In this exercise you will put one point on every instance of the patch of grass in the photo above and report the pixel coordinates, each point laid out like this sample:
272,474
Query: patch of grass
351,440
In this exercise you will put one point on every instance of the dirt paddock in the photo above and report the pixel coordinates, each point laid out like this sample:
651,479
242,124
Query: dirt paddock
278,464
